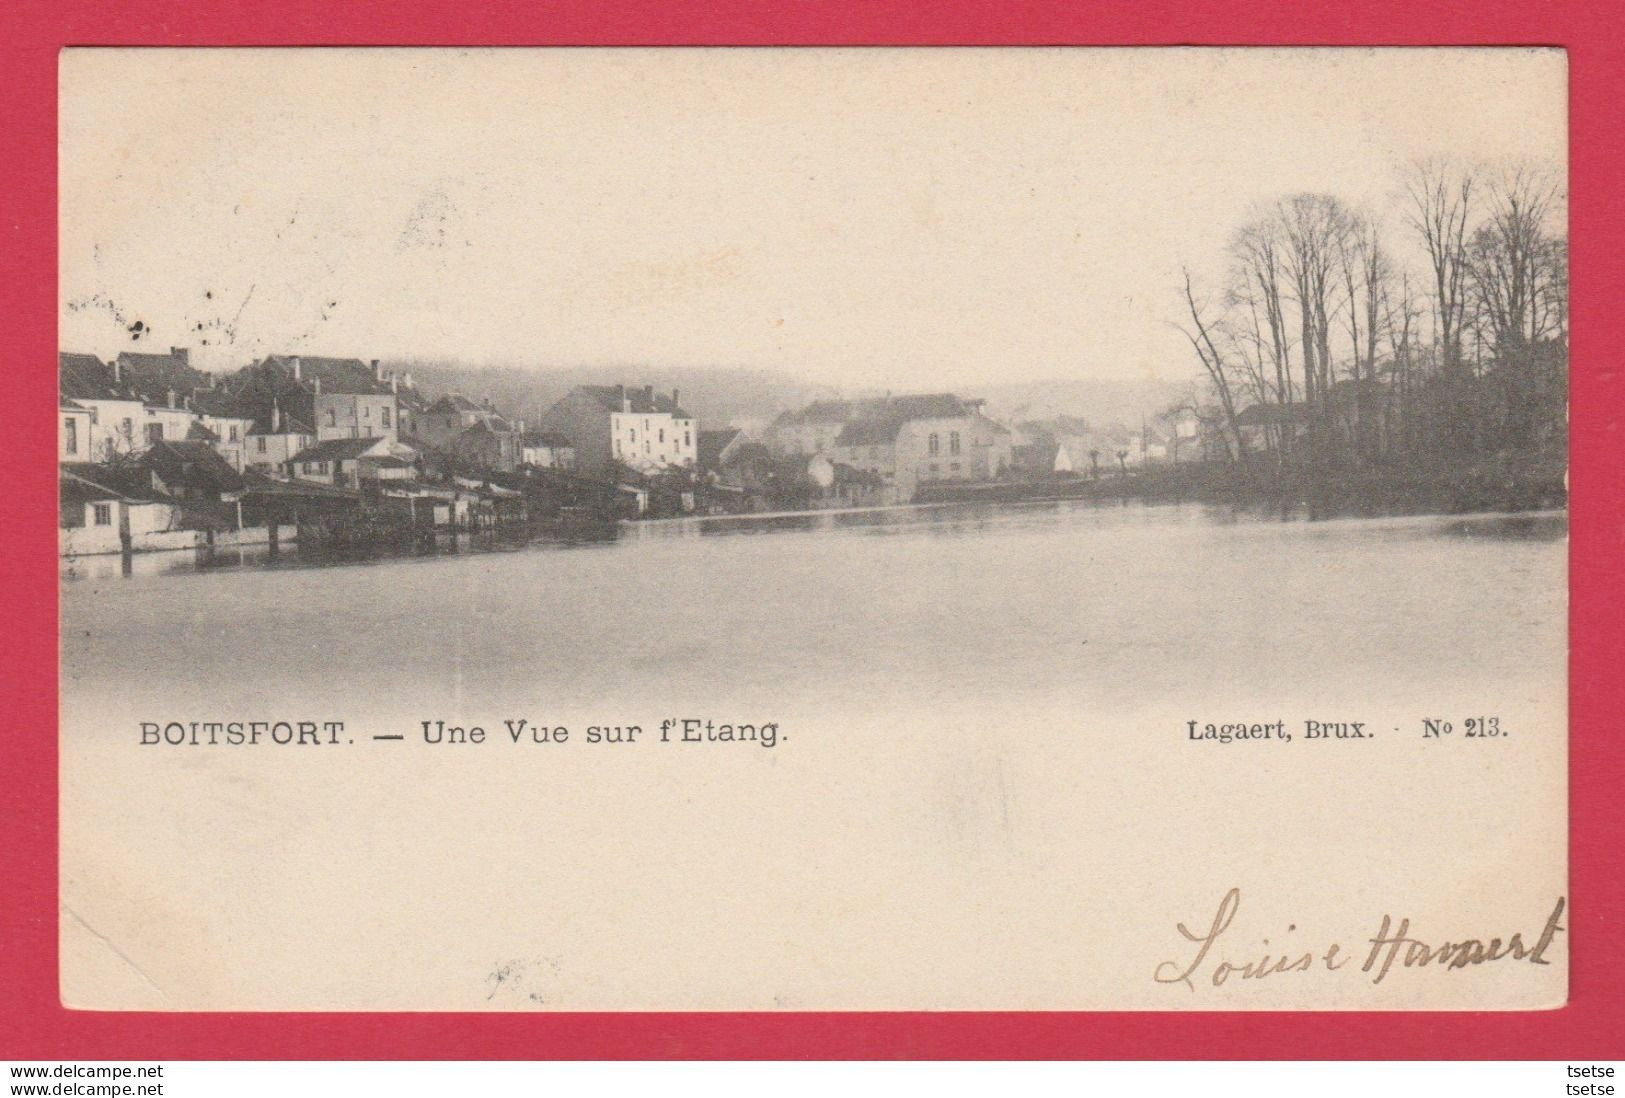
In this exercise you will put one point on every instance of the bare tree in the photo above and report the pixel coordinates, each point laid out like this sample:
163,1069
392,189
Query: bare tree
1314,228
1255,250
1213,362
1510,261
1441,196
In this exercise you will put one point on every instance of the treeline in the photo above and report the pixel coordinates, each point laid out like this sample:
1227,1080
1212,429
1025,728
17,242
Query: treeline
1436,329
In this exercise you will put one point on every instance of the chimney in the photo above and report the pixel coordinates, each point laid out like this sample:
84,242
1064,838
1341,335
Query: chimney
182,353
407,380
674,401
394,382
118,371
298,372
626,401
377,370
171,395
317,382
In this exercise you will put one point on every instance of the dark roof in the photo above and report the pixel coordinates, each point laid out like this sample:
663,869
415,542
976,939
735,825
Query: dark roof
266,386
337,449
709,446
1263,415
86,377
191,464
76,489
640,400
127,480
551,439
848,474
198,431
928,406
454,402
258,484
155,376
337,375
221,403
870,432
885,418
1038,455
819,412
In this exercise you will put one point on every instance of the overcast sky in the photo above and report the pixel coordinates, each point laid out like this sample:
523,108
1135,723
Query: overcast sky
915,218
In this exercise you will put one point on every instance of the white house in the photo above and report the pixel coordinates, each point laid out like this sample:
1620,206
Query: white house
617,423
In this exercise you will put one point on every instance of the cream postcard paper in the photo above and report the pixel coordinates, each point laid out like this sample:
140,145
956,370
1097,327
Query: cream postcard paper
814,529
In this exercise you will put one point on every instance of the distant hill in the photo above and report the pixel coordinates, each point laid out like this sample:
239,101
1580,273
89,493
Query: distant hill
724,395
717,396
1102,403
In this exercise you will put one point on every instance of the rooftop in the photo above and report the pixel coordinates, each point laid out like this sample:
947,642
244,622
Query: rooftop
616,397
191,464
337,449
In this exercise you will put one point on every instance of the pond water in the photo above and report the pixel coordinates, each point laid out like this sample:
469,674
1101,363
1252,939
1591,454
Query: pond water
1118,600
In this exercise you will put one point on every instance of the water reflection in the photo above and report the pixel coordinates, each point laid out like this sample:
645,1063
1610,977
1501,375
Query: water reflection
955,520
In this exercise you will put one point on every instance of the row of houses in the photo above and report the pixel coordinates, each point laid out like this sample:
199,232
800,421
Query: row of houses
155,453
885,448
149,443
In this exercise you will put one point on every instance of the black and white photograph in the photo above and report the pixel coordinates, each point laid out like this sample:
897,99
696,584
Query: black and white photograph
813,529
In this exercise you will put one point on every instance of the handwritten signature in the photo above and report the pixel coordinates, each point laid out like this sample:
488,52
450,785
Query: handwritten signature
1392,944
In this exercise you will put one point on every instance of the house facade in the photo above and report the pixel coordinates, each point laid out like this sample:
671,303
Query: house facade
638,428
908,441
815,428
94,517
73,431
338,397
547,450
353,463
116,412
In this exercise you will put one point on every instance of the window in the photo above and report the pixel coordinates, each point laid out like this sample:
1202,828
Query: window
127,429
634,433
366,412
688,439
155,432
931,447
662,436
70,440
231,432
332,419
104,513
259,443
953,442
385,414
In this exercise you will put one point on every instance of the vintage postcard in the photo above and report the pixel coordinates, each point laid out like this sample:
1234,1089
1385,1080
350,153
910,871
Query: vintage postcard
817,529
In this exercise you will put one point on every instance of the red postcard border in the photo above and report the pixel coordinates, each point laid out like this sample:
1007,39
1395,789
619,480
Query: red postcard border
33,1024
